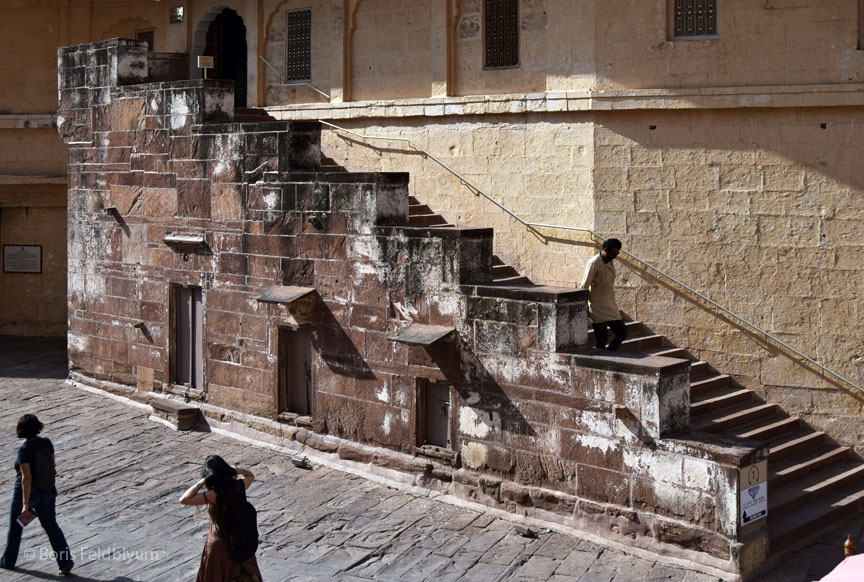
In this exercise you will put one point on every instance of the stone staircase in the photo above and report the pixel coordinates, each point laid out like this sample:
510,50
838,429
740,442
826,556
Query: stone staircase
813,482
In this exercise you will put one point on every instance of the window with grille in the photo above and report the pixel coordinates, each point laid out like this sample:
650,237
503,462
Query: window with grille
501,22
298,45
694,19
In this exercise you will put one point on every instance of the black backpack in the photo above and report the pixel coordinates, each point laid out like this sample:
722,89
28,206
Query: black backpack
42,470
243,541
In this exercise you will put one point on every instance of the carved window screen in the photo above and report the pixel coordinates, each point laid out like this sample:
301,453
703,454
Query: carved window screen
298,45
694,18
501,21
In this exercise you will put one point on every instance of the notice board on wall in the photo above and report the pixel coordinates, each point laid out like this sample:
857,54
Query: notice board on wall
22,258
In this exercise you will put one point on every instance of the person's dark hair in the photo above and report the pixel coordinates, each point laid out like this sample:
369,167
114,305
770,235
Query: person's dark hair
28,426
219,476
612,243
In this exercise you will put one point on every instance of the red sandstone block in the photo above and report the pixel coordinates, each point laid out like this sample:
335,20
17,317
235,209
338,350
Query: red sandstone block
118,179
256,359
154,312
118,155
185,169
265,267
222,322
334,379
329,222
331,268
120,307
333,288
602,485
430,373
161,257
544,470
159,180
232,263
253,327
321,246
591,450
367,317
147,356
120,287
252,380
375,388
193,198
223,373
225,300
273,245
224,352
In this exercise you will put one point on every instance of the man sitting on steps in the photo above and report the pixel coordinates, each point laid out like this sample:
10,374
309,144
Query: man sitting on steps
599,280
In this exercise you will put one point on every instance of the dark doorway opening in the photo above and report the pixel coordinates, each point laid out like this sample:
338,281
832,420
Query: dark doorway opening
295,371
226,43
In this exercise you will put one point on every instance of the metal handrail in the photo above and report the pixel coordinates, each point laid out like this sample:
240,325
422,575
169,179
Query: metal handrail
293,83
479,191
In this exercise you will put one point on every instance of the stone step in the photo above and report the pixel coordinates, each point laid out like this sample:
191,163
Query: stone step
769,428
426,219
698,368
670,352
814,485
174,414
793,526
503,272
722,397
728,418
797,466
794,443
641,343
515,280
415,209
707,383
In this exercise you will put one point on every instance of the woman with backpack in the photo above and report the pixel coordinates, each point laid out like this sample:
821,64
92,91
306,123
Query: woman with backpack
229,554
35,495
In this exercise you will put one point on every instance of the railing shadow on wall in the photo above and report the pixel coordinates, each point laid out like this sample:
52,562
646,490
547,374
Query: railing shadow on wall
644,269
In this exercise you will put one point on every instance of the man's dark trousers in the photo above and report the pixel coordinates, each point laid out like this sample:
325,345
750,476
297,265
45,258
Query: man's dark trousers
601,334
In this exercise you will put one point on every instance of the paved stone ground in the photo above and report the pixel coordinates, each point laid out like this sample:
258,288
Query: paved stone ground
120,476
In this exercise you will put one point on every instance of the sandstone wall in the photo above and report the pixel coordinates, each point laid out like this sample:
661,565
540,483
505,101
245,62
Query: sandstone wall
761,211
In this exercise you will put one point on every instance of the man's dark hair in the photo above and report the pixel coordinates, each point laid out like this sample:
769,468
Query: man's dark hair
28,426
612,243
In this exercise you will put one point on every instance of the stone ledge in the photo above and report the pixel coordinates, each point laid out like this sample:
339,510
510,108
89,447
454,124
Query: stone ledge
770,96
541,293
629,363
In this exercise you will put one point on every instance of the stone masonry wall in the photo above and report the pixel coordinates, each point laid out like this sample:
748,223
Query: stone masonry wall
162,198
761,211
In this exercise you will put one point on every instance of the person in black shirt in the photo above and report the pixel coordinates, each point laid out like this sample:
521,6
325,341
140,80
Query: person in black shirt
29,499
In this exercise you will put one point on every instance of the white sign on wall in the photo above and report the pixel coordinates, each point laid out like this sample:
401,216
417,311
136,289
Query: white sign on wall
753,485
22,258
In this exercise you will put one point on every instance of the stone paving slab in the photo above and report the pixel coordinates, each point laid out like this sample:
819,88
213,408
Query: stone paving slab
120,476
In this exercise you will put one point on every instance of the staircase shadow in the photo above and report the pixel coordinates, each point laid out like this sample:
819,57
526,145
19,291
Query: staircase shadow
465,371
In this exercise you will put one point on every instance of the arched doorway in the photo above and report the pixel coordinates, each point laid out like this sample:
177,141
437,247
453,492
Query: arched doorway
225,41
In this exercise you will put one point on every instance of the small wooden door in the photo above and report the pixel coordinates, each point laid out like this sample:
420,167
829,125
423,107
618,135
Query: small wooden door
295,365
437,415
190,337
